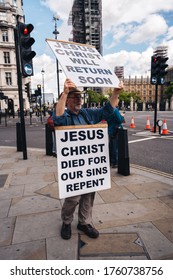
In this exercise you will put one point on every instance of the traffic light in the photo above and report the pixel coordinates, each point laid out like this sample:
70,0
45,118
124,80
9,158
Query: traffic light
25,43
155,68
27,89
38,91
158,69
163,65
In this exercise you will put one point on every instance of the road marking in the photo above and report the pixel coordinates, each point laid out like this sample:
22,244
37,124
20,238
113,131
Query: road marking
154,171
144,139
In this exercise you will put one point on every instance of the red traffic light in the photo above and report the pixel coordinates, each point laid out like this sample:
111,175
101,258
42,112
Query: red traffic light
25,42
26,29
155,59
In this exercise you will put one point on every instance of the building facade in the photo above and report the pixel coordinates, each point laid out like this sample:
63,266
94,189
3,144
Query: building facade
9,10
169,76
145,89
86,21
142,87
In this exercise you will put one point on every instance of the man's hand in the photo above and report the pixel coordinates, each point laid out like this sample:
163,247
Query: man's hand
68,84
114,97
60,106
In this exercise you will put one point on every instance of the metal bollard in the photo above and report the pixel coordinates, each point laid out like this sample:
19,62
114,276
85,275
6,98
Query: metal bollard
123,152
19,137
49,140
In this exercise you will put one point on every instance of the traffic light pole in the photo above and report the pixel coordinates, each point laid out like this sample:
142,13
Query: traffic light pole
155,109
19,81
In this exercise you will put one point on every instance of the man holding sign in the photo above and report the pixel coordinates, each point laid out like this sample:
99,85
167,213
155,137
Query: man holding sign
71,98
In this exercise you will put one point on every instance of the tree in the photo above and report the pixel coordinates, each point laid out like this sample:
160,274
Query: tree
94,97
126,96
136,96
169,92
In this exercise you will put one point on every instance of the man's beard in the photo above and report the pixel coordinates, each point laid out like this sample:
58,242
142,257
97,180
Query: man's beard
78,107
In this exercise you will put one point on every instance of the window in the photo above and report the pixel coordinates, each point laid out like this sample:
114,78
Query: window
3,16
14,3
8,78
6,57
4,35
2,1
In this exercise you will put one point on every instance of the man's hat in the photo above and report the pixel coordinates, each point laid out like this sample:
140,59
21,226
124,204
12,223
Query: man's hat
75,90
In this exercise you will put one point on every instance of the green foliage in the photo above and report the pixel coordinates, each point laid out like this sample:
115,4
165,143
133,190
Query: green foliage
169,92
126,96
94,97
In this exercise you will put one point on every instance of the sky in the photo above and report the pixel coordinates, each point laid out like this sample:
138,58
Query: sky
132,30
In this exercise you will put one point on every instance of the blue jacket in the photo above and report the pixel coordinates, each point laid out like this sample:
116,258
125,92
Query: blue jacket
85,116
114,121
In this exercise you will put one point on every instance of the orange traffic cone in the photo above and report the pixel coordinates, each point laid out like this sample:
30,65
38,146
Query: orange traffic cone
165,129
148,127
132,125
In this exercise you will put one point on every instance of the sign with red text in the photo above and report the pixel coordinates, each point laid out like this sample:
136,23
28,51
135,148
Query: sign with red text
82,159
83,64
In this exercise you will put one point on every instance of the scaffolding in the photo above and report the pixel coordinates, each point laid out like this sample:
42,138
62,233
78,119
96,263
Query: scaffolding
86,20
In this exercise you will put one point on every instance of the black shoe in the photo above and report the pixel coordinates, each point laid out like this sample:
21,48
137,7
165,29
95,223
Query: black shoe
66,231
88,230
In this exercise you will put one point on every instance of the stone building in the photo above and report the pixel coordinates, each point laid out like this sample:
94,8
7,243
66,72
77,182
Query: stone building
86,21
145,89
142,86
9,10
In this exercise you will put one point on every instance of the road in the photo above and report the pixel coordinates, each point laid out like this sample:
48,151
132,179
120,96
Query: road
150,149
146,149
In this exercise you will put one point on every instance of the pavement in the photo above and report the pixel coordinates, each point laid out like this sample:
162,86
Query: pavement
134,217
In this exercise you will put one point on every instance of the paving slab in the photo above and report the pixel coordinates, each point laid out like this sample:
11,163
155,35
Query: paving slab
148,190
153,175
131,179
50,190
44,169
13,169
36,226
4,206
116,193
3,179
168,200
134,211
6,230
31,189
11,192
32,178
112,245
35,250
166,227
55,248
156,244
7,159
33,204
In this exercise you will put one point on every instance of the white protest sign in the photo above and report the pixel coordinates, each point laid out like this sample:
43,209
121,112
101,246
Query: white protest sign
82,159
83,64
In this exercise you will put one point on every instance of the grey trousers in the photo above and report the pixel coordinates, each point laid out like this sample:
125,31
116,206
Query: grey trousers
85,202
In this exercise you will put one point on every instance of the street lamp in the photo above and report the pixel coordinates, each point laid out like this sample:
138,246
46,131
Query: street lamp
42,72
56,32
